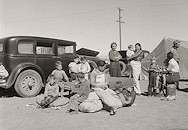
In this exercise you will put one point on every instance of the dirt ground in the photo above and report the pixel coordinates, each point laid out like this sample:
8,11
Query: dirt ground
148,113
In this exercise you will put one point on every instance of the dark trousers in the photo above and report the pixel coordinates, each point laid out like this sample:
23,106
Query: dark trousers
73,76
152,83
173,78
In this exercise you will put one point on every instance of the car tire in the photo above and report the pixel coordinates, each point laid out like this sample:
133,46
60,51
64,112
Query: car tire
122,66
28,83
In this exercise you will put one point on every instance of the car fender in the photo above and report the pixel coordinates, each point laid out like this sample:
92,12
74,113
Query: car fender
21,67
123,66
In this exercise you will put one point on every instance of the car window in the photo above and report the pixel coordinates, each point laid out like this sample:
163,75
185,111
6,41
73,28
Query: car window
1,46
65,49
25,47
44,48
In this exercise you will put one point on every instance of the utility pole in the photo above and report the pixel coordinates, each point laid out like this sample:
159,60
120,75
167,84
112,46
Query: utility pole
120,22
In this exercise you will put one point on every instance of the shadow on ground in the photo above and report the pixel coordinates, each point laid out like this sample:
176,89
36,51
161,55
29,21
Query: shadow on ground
184,89
7,92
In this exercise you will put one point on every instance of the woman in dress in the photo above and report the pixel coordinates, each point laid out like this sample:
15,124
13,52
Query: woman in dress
114,56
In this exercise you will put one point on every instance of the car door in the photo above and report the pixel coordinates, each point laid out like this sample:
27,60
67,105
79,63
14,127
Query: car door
45,56
65,53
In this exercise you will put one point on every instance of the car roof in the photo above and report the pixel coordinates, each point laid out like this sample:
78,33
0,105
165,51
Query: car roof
36,38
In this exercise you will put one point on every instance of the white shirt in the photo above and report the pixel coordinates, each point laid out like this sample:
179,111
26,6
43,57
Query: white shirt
85,68
100,79
173,66
74,67
130,53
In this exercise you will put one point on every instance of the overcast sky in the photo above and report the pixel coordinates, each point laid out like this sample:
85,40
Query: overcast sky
92,23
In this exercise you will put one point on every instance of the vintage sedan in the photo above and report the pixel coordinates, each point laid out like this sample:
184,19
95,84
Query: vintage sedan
30,60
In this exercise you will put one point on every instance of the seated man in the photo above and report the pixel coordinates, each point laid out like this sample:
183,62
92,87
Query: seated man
171,77
81,95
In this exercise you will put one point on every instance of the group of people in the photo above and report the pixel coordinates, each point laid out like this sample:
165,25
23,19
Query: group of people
134,58
168,76
90,91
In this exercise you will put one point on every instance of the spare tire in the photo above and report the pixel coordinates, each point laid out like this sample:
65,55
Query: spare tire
122,66
92,64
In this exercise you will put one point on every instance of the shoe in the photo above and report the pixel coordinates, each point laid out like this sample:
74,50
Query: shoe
165,99
154,94
113,111
159,95
171,98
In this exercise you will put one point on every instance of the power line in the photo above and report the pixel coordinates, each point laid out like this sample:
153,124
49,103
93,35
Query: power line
120,22
60,16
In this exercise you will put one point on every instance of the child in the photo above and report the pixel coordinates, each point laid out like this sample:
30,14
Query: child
85,67
60,76
81,94
51,93
74,68
130,52
162,78
153,69
3,72
127,98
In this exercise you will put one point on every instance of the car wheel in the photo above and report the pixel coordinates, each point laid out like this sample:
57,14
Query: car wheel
28,83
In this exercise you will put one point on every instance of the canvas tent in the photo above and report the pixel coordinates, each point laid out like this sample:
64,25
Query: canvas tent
160,53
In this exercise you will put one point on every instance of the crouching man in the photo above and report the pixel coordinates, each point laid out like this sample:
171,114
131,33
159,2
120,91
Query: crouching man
172,77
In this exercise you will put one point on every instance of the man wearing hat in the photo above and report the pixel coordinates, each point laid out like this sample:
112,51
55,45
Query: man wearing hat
176,45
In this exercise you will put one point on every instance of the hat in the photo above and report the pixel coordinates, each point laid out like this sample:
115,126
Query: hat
176,42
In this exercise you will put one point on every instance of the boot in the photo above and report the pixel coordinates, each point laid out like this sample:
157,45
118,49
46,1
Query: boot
173,91
168,93
168,90
155,92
